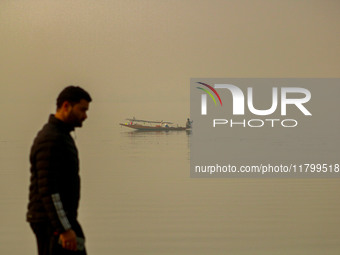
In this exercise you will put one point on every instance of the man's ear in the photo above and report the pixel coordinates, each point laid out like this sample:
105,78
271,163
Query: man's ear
66,106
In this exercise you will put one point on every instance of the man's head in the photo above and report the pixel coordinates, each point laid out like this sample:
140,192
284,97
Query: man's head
72,104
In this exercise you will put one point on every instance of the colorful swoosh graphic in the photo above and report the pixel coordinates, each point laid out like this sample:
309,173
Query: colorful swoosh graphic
207,91
212,89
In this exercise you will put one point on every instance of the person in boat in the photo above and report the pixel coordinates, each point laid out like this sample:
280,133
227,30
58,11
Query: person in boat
188,124
54,190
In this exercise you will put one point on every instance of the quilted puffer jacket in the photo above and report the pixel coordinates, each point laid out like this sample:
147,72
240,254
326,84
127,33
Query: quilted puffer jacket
54,190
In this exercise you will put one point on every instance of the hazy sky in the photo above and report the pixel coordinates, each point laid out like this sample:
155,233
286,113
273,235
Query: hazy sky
140,55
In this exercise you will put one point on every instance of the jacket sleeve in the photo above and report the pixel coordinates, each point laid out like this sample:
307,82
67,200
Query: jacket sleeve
47,157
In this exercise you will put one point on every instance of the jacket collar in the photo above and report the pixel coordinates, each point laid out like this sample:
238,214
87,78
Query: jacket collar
60,124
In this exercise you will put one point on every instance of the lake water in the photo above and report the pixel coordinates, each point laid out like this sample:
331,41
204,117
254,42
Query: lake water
138,198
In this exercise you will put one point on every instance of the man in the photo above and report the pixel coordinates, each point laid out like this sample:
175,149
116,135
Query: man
55,183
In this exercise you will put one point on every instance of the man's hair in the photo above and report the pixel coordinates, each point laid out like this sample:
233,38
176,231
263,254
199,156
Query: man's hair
73,95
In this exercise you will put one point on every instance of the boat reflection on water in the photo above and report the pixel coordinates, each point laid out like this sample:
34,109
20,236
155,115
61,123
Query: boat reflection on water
141,133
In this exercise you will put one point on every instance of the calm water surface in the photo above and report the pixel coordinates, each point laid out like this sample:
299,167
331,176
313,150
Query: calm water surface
138,198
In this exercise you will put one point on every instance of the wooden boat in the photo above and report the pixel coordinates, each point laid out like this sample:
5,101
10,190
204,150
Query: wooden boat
147,125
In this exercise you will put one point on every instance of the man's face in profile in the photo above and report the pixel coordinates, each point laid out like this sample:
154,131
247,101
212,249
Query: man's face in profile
77,113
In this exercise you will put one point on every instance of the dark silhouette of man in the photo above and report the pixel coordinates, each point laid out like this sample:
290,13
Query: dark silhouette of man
55,183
